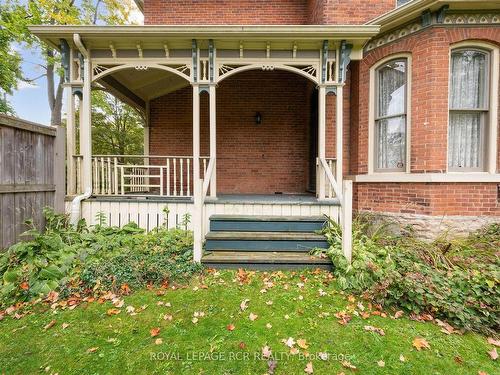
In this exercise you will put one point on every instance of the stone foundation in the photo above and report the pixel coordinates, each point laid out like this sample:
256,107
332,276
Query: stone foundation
431,227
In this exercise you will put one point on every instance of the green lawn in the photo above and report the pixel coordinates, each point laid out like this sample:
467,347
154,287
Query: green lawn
122,343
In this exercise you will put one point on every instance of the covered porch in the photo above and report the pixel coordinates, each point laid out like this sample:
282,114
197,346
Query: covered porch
229,164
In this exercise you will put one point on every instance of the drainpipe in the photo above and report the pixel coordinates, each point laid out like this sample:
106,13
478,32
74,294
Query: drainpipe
76,203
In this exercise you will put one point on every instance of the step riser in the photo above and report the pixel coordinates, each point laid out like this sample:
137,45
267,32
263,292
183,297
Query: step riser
266,266
265,245
265,226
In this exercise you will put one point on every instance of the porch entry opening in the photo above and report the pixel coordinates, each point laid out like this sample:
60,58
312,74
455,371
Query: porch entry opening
266,133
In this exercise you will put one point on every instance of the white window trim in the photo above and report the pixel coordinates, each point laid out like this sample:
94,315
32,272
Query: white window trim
372,107
490,160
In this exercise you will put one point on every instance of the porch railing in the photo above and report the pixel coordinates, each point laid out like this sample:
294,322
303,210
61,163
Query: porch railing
332,166
140,175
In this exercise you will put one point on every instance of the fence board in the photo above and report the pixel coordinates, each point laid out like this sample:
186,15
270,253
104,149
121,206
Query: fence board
31,175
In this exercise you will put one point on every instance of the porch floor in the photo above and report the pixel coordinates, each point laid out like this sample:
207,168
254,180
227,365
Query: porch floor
293,199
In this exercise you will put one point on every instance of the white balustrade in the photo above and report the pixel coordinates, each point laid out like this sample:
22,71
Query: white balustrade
139,175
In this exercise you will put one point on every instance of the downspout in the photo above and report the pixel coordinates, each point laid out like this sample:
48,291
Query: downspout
76,205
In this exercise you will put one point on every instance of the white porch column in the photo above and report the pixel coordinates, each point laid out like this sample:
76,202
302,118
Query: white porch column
86,127
146,133
339,121
213,140
197,182
70,142
321,140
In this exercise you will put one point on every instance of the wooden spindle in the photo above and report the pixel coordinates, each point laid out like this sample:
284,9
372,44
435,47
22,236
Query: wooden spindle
188,175
174,160
168,177
181,161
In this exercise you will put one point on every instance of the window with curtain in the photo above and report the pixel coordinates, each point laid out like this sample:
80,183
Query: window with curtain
469,70
390,116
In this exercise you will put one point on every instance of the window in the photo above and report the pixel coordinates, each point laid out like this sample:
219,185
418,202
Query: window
401,2
469,106
391,116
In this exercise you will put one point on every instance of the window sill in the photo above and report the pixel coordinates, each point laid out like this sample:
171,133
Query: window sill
427,177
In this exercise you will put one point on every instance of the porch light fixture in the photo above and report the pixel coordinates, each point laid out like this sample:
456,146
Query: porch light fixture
258,118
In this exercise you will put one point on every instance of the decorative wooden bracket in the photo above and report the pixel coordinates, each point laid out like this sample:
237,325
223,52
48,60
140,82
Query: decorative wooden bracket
345,59
211,58
194,55
324,60
65,61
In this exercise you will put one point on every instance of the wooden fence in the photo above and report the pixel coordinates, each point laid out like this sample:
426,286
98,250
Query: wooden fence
32,168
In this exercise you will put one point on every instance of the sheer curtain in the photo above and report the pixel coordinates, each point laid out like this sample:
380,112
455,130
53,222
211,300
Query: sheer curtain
391,116
468,107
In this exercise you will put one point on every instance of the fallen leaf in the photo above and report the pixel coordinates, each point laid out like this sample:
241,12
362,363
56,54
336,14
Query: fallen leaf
288,342
125,289
309,368
244,304
458,359
348,365
24,285
492,341
294,351
381,363
159,341
420,343
154,331
287,316
322,293
113,312
380,331
53,296
269,326
482,373
65,325
269,303
92,350
242,345
271,366
493,354
118,303
398,314
402,358
194,320
302,344
445,327
230,327
130,309
266,352
343,317
49,325
253,317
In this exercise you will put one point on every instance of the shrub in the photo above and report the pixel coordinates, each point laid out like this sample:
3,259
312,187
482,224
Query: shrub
452,280
87,258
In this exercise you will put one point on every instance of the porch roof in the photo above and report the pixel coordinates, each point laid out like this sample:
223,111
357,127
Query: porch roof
225,36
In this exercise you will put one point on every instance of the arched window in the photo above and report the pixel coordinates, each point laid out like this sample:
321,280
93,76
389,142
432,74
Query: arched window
469,109
390,134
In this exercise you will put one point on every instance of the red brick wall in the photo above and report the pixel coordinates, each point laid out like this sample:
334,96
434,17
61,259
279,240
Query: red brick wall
265,158
261,12
347,12
463,199
429,125
244,12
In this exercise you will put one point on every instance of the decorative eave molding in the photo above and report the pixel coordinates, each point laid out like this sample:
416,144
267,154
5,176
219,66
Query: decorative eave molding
442,18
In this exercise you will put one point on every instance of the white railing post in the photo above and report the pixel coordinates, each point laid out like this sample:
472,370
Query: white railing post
213,141
339,121
347,220
197,182
321,139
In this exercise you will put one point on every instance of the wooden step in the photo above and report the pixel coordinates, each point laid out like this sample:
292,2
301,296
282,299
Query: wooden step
248,223
264,260
265,241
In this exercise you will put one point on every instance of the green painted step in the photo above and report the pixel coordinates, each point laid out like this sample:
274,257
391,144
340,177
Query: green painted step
247,223
265,241
264,260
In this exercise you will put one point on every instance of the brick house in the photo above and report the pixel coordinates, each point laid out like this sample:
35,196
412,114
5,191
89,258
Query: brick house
292,108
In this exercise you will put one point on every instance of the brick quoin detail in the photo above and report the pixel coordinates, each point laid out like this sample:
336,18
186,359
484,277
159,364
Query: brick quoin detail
263,12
